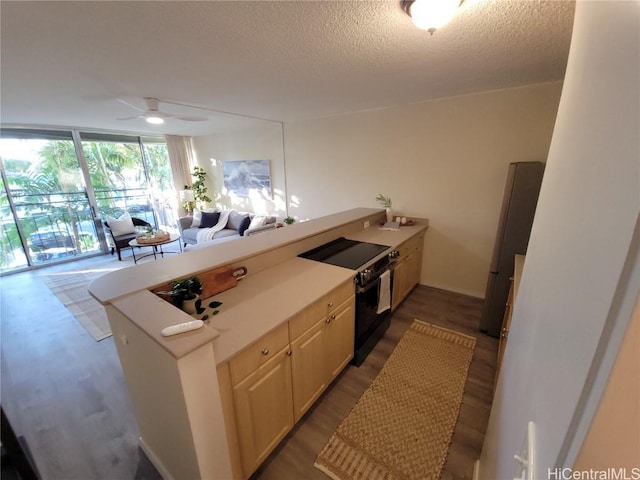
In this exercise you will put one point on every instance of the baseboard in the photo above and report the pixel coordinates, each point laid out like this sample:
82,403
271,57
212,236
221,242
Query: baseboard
164,473
476,470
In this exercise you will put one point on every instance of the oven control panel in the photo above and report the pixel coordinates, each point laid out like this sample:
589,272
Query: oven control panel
373,272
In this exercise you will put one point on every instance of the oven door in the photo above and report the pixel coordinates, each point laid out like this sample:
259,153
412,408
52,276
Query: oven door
367,316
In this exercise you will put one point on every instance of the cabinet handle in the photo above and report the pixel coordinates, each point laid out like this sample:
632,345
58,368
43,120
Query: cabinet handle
289,352
265,351
330,304
331,317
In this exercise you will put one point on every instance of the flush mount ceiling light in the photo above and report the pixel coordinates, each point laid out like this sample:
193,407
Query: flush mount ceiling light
153,119
430,15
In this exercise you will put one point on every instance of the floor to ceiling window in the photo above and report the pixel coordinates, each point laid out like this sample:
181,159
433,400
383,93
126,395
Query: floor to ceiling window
118,175
12,254
58,186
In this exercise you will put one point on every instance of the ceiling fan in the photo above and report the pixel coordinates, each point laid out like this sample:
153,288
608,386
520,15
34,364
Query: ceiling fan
152,114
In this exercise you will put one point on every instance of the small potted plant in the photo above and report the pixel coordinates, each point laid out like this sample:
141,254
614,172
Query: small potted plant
289,220
184,293
386,203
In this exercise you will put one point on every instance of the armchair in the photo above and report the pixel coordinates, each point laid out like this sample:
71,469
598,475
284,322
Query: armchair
122,241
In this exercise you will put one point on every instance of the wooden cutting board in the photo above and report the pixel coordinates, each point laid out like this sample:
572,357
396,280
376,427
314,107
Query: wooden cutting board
217,280
213,281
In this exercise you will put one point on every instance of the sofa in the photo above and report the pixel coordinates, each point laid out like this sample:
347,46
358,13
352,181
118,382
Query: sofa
238,225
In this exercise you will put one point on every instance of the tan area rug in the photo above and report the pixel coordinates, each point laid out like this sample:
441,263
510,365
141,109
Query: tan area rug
402,426
71,287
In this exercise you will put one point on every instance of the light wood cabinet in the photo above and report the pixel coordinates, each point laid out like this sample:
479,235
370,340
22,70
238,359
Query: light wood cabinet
406,274
264,409
277,379
504,332
339,338
260,352
400,282
414,263
322,344
320,354
308,368
508,312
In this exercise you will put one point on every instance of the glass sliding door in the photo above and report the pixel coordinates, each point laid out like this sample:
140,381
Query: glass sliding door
161,182
48,195
118,175
12,255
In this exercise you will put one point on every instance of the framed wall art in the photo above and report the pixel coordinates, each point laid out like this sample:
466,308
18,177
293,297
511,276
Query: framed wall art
244,177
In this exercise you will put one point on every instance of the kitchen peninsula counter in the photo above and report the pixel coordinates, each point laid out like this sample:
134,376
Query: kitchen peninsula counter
259,303
206,257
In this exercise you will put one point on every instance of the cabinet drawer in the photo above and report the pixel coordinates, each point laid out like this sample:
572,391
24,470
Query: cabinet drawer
339,295
258,353
320,309
307,318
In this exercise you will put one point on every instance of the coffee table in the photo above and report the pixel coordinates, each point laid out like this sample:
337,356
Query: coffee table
156,246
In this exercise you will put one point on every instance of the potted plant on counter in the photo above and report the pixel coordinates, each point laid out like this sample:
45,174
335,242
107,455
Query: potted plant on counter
184,293
386,203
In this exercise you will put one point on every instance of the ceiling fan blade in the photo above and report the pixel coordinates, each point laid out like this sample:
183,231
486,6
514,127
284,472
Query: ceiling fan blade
158,113
131,118
153,110
192,119
129,104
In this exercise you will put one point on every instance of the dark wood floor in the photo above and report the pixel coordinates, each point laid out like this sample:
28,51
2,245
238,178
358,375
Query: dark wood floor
66,395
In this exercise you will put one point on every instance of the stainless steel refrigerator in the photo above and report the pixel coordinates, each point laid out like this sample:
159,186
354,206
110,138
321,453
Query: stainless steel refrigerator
516,218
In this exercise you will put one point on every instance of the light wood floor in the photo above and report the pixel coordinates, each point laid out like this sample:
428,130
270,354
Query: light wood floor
66,395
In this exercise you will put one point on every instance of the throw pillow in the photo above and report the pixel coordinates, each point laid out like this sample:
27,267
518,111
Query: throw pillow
121,225
209,219
257,221
197,216
244,225
235,220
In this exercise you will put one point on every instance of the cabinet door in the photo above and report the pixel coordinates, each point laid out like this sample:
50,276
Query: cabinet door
415,262
413,274
399,282
339,339
264,410
308,368
504,333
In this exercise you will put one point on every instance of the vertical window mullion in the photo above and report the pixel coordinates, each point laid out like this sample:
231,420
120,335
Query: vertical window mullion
89,191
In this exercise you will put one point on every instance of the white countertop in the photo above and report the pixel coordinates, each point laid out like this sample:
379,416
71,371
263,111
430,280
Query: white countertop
392,238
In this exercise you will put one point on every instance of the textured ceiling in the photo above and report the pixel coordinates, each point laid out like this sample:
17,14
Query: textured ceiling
66,63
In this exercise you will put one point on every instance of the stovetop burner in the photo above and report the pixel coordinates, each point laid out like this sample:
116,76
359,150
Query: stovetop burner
345,253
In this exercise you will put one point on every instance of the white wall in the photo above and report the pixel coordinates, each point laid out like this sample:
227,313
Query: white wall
445,160
582,276
262,143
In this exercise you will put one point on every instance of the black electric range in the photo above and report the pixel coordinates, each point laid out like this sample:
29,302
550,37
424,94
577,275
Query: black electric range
346,253
374,264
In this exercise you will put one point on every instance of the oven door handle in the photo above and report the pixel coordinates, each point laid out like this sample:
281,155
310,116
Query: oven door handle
373,283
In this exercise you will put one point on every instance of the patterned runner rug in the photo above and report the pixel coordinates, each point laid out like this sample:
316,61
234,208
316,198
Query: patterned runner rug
402,426
71,288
